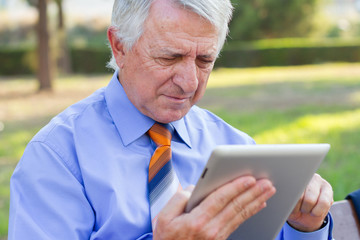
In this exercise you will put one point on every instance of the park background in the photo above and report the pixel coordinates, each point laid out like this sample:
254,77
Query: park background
289,73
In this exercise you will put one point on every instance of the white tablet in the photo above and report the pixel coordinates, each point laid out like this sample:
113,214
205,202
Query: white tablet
290,167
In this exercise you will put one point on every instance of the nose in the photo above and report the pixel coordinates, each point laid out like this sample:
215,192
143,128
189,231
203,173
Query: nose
186,77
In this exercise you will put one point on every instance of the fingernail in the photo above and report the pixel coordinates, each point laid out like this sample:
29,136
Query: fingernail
272,191
249,182
262,206
264,186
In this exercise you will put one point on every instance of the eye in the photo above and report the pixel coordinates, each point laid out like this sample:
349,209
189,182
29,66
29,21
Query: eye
166,61
204,63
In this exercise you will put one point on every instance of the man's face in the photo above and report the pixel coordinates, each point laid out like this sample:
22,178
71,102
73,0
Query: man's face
166,71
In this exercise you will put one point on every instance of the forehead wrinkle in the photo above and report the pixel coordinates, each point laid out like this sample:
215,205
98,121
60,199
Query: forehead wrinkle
171,38
173,48
182,52
174,52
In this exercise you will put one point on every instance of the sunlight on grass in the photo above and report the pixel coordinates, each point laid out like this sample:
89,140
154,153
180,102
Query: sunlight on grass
12,145
20,100
355,97
81,82
226,77
341,131
311,128
5,173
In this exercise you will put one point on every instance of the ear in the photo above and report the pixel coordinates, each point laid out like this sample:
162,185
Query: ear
116,46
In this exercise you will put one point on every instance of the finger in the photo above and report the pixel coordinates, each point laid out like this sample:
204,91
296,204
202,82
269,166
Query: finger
246,205
297,207
176,205
324,202
205,212
253,198
241,208
311,195
221,197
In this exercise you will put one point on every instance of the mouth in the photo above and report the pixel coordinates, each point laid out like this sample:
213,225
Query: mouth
177,99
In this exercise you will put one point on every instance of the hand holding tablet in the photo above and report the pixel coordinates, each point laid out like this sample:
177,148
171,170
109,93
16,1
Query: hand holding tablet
218,215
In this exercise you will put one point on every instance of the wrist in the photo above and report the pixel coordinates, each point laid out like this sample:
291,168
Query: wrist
312,228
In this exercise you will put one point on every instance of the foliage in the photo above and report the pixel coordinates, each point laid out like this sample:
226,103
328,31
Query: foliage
17,61
90,60
257,19
285,52
17,36
86,36
22,60
32,3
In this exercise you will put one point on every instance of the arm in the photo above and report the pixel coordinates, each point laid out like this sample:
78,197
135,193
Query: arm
47,199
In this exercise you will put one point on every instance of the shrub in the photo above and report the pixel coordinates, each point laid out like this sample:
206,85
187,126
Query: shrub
17,61
283,52
90,60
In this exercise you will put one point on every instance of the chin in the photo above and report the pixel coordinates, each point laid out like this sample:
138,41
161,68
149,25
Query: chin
170,116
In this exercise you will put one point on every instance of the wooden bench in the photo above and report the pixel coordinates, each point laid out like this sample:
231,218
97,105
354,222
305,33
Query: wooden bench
346,222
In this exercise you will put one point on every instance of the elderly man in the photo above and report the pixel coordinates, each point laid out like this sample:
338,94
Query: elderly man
103,169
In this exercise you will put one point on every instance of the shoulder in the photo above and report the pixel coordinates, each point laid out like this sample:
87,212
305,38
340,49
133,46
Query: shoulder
69,120
212,125
65,132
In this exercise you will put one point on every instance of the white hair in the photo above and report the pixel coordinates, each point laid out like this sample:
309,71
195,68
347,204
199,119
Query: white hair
129,16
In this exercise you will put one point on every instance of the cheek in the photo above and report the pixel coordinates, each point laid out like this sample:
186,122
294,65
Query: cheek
149,84
162,73
203,80
158,80
200,90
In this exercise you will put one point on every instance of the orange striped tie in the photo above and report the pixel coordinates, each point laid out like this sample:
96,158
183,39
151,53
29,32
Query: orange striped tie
163,181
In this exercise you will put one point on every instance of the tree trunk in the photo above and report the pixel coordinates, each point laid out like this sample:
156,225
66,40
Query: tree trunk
63,59
44,70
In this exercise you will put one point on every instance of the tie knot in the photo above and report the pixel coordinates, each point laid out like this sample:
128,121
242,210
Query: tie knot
160,134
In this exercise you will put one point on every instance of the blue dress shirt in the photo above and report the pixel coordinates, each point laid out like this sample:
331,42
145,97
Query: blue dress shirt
84,175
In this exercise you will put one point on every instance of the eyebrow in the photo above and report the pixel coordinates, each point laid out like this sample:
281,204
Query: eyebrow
176,55
172,53
206,56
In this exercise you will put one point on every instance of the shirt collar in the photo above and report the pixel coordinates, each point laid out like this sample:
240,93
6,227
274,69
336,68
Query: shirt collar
129,121
182,131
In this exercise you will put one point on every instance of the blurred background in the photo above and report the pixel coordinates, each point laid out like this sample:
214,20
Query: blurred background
289,73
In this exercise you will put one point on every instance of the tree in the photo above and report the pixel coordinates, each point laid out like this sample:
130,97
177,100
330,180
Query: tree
44,72
44,66
257,19
63,59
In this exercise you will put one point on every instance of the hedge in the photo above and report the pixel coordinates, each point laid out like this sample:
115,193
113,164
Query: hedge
278,52
17,61
22,61
284,52
90,60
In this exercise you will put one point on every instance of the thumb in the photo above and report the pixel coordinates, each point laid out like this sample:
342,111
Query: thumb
176,205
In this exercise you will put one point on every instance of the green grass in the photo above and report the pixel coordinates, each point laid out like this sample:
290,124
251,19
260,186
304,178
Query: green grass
305,104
